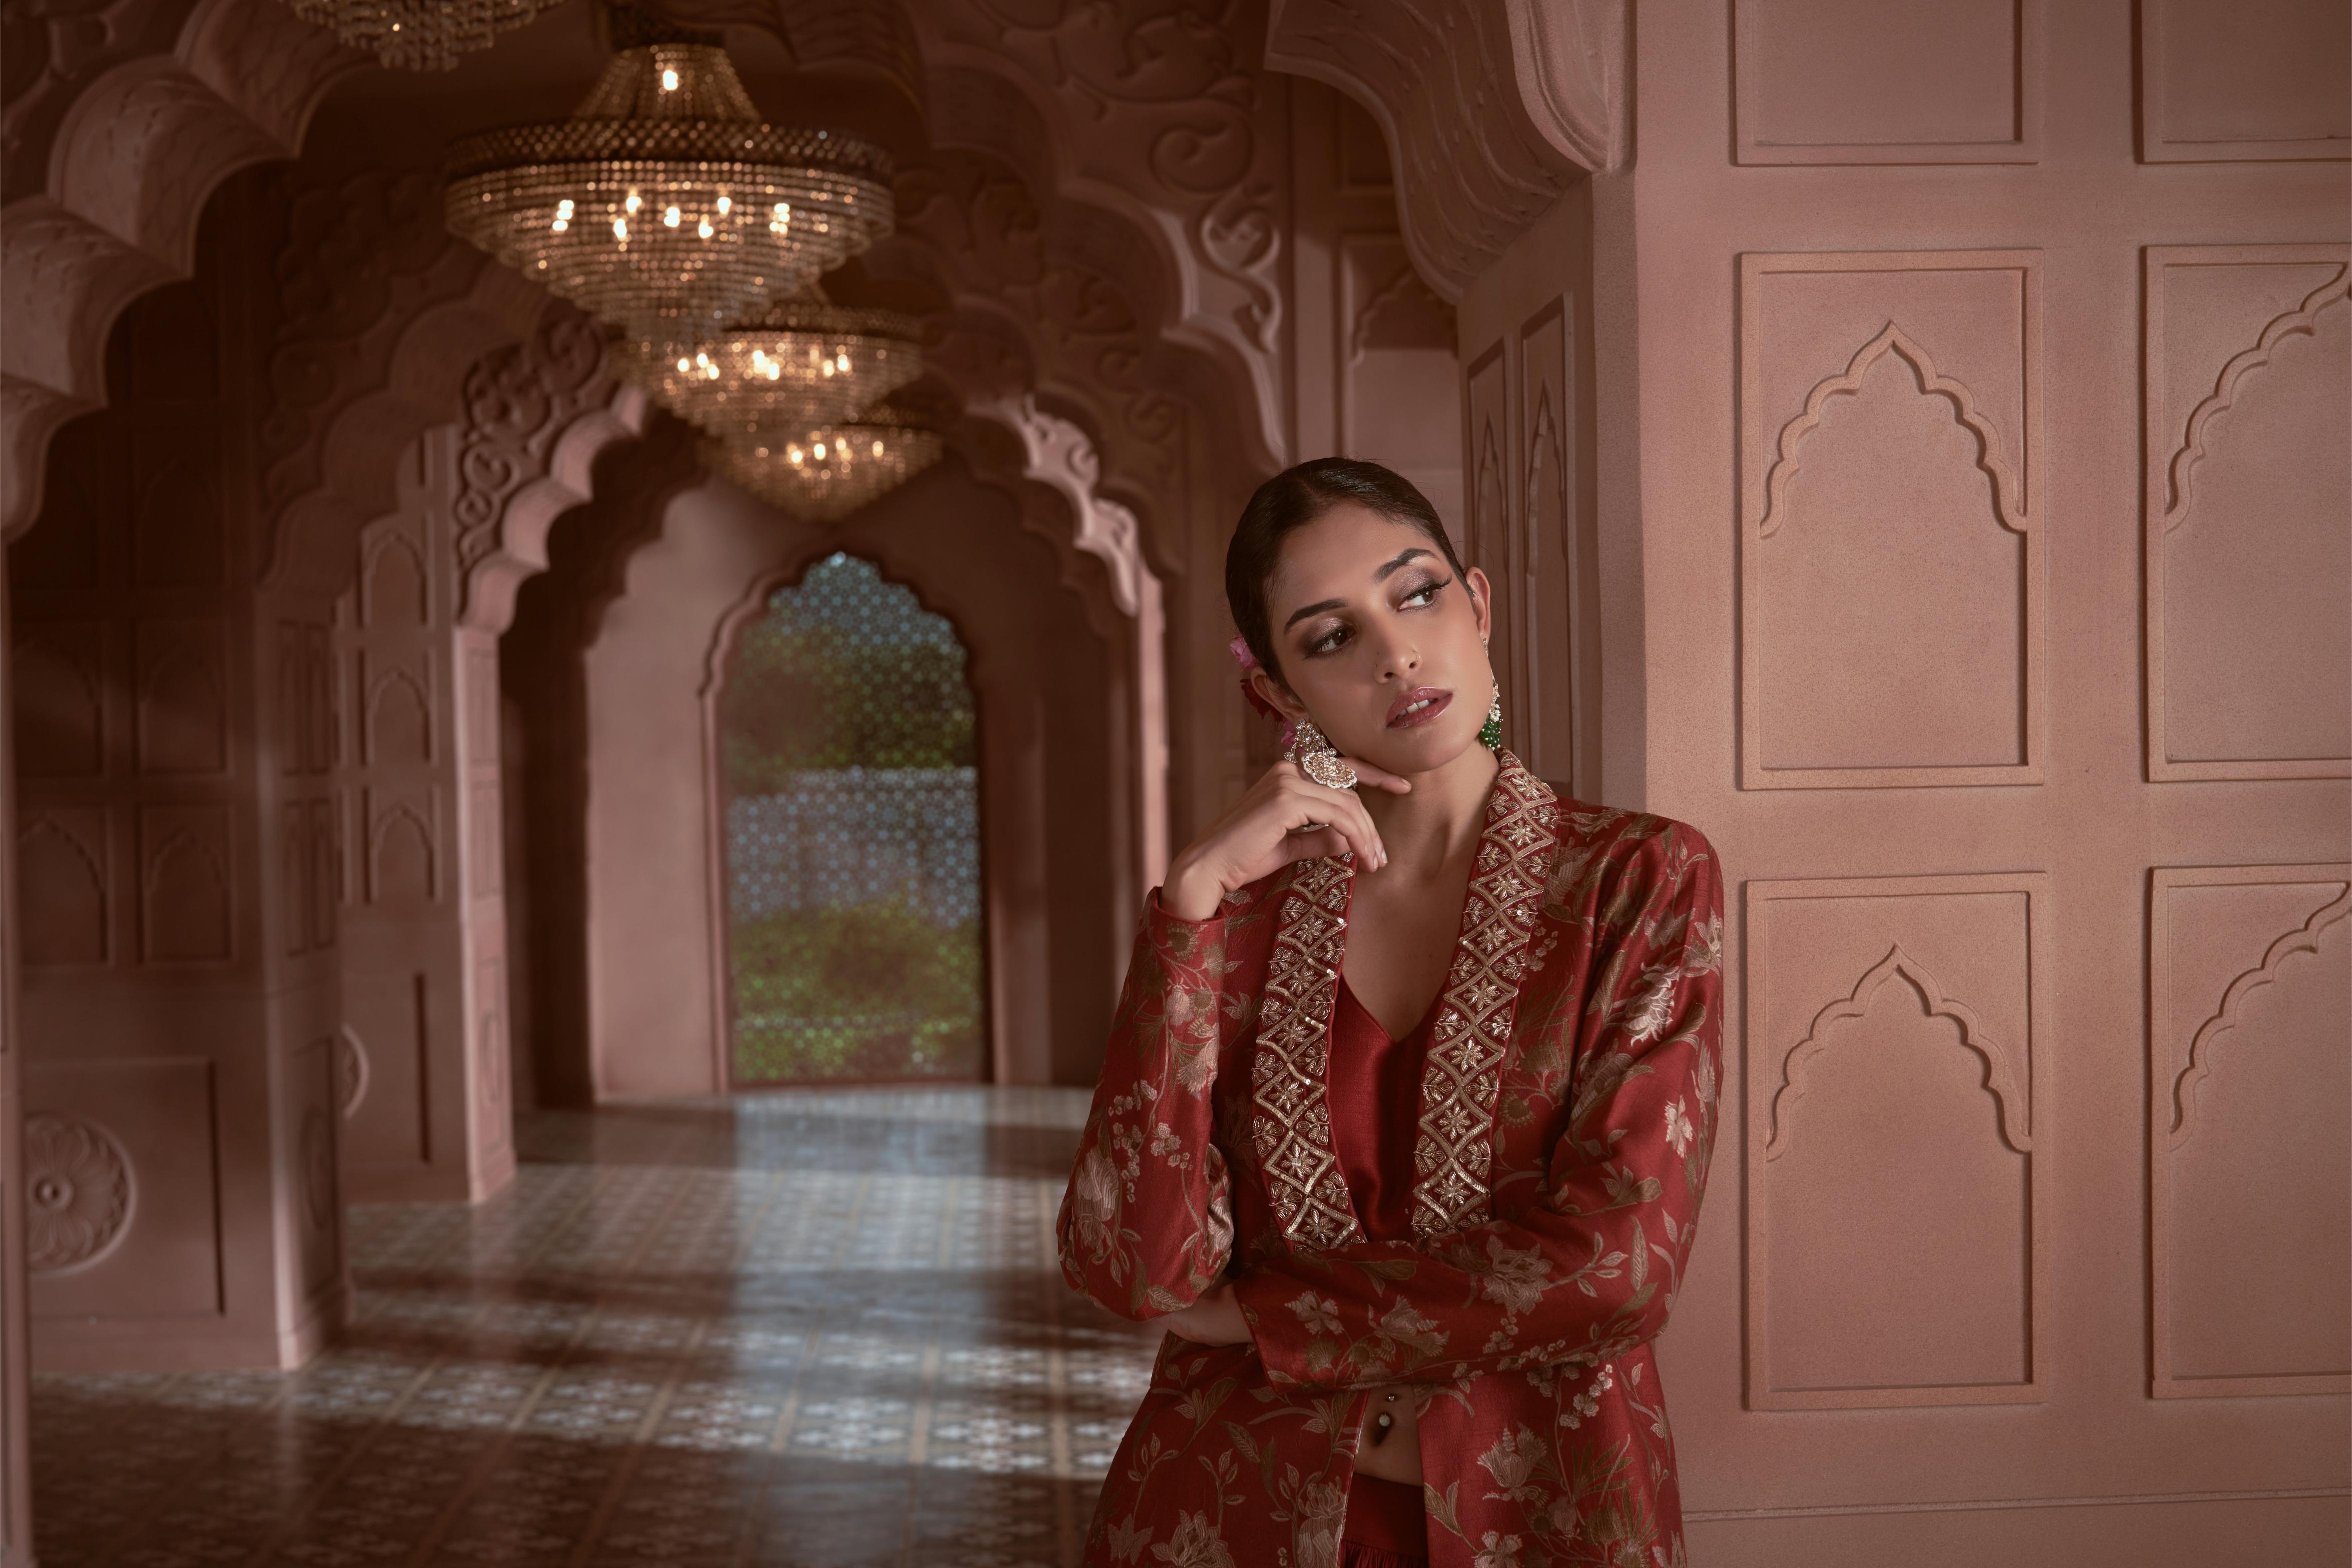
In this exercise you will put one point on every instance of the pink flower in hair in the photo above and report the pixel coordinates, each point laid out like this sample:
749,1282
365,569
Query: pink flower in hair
1240,649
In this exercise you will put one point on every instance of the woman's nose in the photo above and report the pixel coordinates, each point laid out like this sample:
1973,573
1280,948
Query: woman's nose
1397,656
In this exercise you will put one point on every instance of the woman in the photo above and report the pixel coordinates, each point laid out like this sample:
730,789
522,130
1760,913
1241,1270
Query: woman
1406,1111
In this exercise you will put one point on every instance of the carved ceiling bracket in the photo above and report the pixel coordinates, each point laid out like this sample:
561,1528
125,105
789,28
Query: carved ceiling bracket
1475,165
1159,116
1047,310
538,414
133,113
379,314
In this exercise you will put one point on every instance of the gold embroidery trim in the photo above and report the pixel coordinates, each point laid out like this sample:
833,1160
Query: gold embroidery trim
1453,1155
1291,1120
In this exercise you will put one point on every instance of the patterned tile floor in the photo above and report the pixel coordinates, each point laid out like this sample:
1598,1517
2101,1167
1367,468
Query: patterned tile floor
818,1330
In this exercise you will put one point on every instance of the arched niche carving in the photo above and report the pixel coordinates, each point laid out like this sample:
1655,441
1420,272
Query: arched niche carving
1999,1082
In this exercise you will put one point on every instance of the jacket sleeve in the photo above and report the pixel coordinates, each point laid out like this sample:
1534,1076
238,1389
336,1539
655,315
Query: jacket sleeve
1146,1225
1588,1269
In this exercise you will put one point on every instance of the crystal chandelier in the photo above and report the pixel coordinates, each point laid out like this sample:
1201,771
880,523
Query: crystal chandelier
826,474
419,34
803,362
664,206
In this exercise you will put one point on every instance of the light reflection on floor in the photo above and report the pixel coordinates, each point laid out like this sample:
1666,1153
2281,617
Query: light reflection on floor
818,1330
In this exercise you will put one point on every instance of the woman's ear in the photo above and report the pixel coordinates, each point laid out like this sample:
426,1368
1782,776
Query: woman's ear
1482,601
1275,692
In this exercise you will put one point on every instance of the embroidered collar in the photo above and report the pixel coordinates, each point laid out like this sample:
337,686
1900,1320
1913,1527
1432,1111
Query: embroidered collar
1453,1150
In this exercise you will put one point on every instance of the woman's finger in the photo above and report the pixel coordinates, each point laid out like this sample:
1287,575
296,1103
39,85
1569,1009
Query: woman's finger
1379,778
1359,822
1312,844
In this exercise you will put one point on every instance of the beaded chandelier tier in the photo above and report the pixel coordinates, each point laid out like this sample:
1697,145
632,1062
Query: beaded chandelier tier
802,364
828,473
664,206
419,34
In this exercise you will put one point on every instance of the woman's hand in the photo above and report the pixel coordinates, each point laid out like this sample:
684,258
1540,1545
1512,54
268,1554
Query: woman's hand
1286,816
1215,1320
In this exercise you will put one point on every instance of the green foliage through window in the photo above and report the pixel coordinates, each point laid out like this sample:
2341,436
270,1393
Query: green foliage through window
852,837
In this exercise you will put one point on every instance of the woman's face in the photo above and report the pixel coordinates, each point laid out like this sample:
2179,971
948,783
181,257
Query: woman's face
1380,642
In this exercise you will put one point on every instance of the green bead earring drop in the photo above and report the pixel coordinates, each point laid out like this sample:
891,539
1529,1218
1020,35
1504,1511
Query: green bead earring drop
1490,733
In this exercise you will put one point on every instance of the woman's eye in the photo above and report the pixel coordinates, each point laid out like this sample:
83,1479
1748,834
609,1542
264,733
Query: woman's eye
1426,593
1330,641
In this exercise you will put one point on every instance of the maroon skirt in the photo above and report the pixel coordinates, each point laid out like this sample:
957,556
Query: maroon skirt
1387,1527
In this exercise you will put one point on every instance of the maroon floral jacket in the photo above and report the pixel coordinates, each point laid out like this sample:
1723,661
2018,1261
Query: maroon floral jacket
1567,1112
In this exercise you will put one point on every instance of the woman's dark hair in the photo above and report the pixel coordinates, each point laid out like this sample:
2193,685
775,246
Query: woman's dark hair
1289,501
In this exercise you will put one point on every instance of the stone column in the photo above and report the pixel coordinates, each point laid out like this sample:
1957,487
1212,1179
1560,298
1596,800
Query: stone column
422,1040
16,1345
175,873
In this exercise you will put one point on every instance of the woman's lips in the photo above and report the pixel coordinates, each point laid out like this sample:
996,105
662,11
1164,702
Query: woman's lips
1418,706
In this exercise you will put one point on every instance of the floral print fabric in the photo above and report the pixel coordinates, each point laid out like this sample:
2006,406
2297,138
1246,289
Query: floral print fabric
1545,1441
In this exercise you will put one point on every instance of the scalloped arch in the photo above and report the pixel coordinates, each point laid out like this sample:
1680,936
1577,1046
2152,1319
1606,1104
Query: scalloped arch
2304,940
137,153
2180,473
2009,501
2015,1119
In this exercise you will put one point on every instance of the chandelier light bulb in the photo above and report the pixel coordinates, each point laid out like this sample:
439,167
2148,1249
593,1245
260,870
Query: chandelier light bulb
800,363
748,210
842,467
419,34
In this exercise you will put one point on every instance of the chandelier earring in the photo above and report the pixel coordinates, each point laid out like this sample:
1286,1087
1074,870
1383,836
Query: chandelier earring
1490,733
1319,759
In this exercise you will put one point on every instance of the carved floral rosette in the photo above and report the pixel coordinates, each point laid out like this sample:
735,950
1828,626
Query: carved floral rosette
78,1193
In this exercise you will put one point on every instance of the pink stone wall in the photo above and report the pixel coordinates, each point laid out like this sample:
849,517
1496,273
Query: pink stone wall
1967,491
177,873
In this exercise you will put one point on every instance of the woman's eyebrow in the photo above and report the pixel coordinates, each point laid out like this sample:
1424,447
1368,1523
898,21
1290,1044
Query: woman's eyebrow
1318,608
1389,569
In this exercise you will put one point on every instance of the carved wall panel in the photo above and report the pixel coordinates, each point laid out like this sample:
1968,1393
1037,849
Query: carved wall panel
119,1188
1493,536
187,912
1891,561
1829,81
403,846
1554,658
398,711
178,527
294,851
182,700
1893,1091
326,884
2250,1160
2225,81
388,1075
63,873
392,585
416,634
2248,511
60,685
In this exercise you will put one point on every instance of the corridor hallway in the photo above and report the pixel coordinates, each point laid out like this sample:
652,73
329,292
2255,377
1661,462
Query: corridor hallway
817,1329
